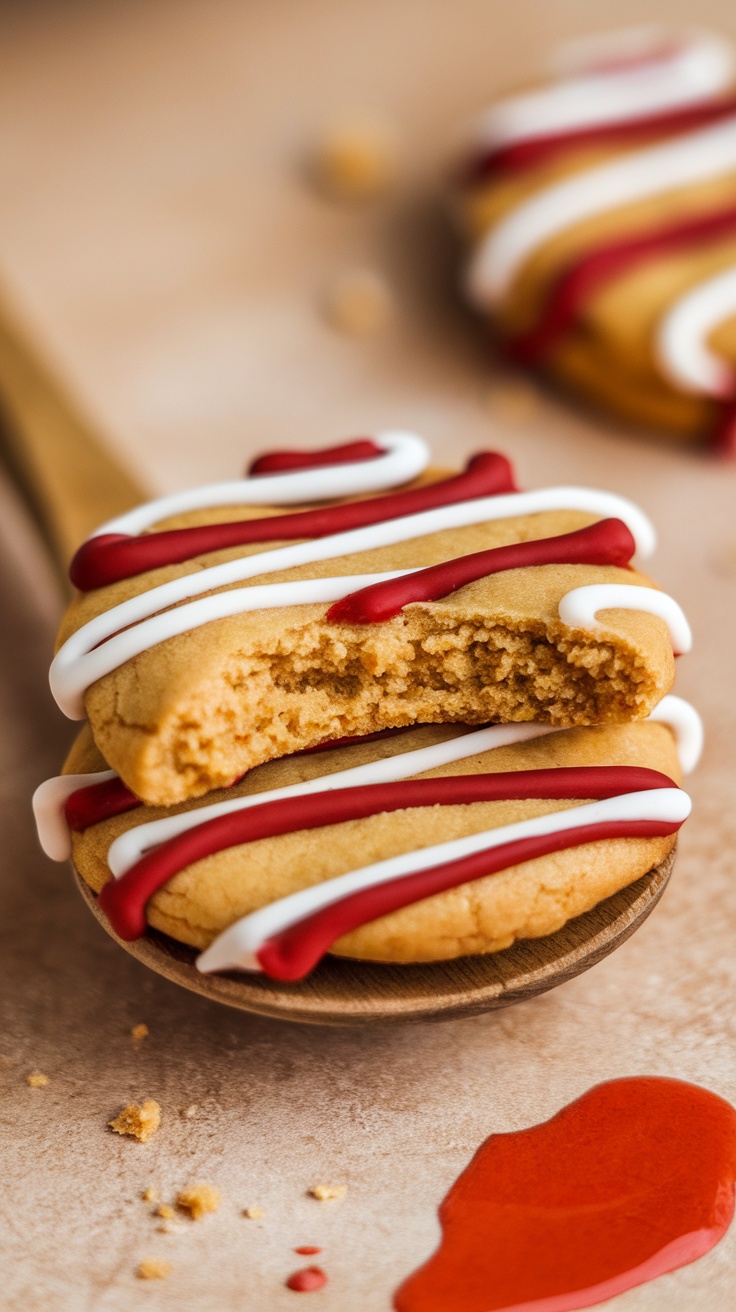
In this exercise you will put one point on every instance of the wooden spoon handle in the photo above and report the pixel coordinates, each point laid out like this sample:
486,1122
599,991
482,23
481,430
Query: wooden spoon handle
60,464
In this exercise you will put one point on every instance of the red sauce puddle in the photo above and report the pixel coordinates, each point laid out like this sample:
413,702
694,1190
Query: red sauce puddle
634,1179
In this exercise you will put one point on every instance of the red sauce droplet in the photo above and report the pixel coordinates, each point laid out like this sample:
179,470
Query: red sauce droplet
306,1280
634,1179
307,1250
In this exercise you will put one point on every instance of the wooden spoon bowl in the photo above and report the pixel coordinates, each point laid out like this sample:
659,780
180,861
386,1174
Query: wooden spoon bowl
345,992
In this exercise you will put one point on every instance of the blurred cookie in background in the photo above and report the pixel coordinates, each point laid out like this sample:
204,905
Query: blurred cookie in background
600,210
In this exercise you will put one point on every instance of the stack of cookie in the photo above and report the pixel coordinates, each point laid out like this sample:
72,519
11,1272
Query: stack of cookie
353,703
601,211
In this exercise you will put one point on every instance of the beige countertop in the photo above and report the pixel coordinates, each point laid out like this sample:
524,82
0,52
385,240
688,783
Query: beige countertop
160,238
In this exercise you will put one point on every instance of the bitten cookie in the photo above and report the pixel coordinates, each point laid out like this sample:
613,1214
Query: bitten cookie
214,632
427,844
601,211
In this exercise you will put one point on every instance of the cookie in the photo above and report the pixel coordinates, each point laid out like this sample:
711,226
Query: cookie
234,633
423,845
601,214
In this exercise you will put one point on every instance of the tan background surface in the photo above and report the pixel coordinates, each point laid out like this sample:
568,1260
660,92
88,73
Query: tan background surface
157,233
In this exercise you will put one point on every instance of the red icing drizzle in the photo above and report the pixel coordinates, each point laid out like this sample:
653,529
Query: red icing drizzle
88,806
110,557
329,743
293,953
723,438
661,53
532,151
608,542
307,1250
306,1280
634,1179
278,462
594,270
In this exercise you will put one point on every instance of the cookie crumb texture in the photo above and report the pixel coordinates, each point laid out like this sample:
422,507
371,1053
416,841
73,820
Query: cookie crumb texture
140,1122
198,1200
324,1192
154,1268
197,711
253,1213
37,1081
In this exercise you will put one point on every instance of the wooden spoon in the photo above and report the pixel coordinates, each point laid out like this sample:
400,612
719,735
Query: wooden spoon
72,484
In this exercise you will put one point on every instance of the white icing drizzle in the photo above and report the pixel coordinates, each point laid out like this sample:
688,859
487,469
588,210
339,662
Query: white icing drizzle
681,340
237,947
407,455
48,810
696,66
580,607
640,174
82,660
53,830
687,727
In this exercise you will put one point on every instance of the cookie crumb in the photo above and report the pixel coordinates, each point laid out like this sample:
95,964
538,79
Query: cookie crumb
166,1211
36,1080
170,1227
253,1213
153,1268
198,1200
140,1032
355,160
323,1192
191,1110
358,303
306,1280
138,1122
151,1194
